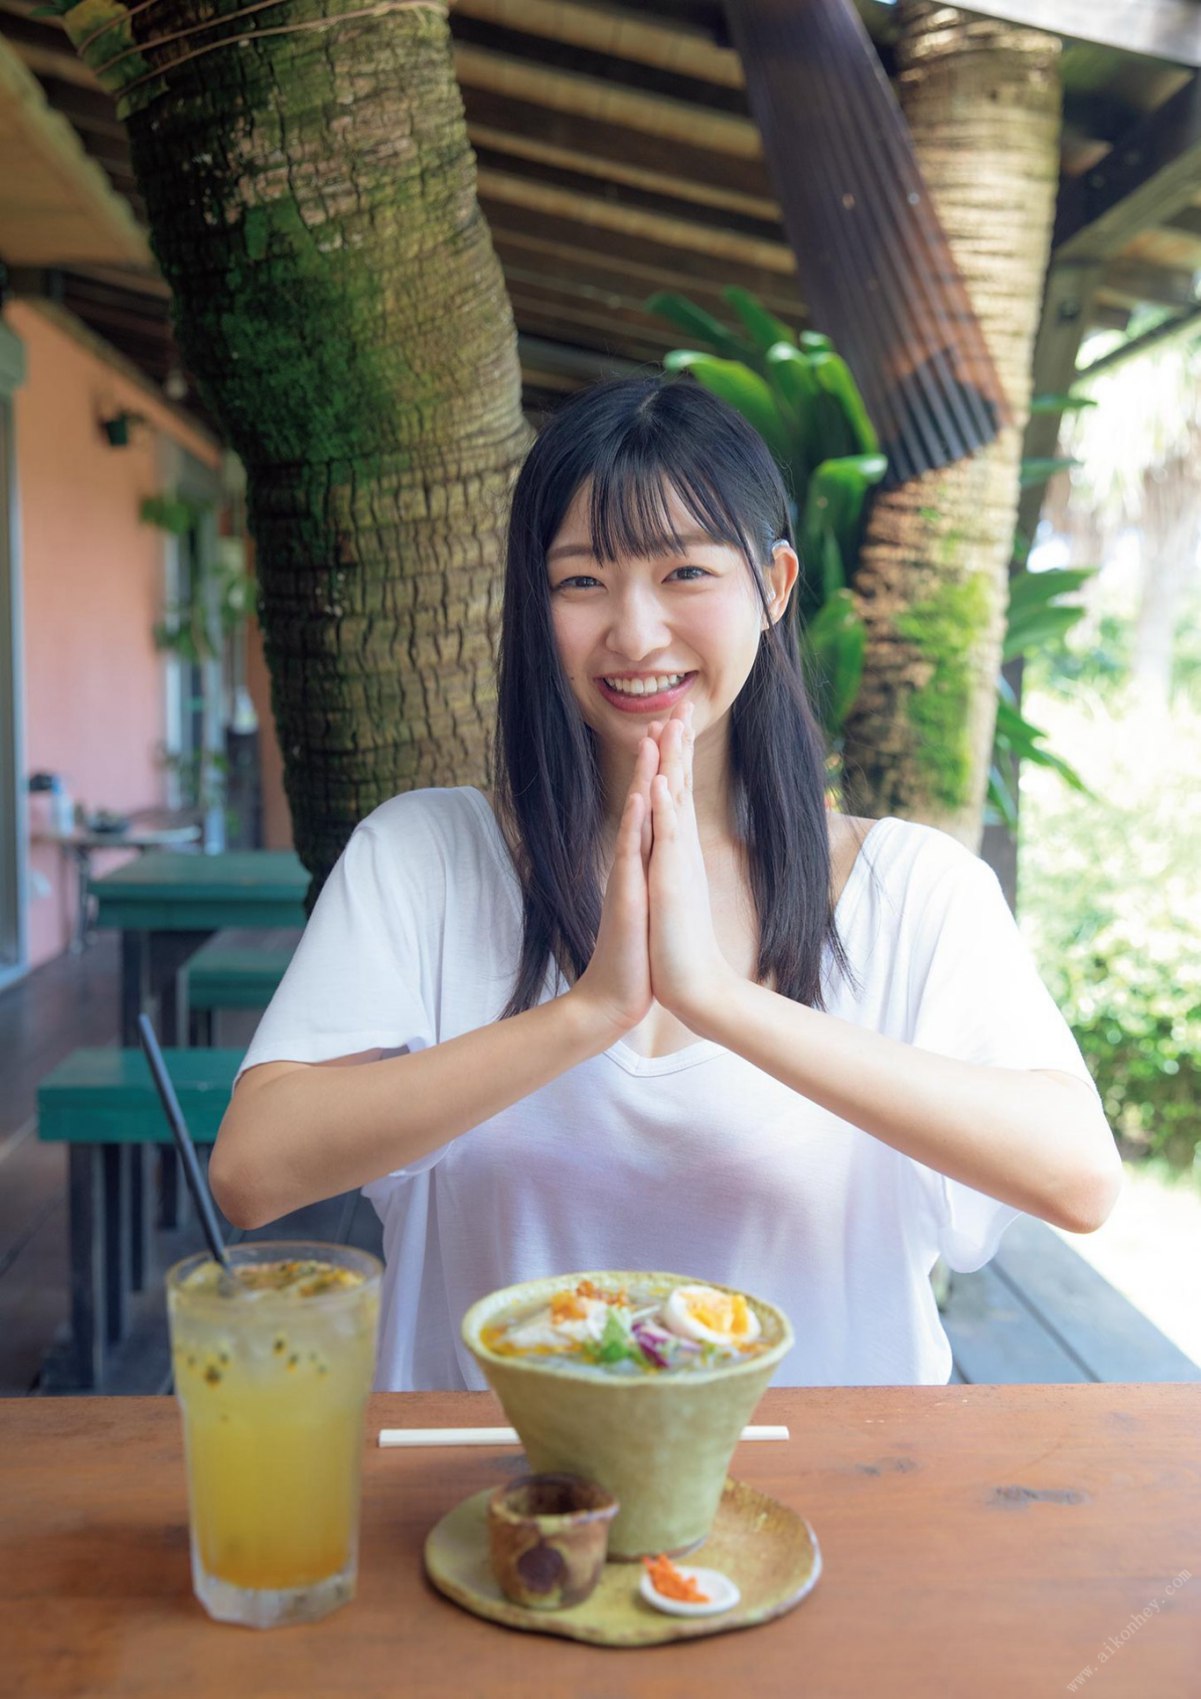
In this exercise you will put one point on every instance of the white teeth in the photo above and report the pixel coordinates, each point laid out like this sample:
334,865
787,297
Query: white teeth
646,687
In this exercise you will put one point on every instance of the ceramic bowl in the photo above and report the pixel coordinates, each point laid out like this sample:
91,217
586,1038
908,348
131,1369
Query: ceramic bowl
660,1443
548,1536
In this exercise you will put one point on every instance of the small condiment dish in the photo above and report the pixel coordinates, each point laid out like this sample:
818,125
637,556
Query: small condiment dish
548,1536
723,1594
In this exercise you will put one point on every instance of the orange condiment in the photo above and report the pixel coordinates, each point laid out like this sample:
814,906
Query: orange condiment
666,1579
567,1306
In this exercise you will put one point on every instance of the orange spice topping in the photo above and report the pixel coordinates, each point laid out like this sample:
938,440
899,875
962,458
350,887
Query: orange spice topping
666,1579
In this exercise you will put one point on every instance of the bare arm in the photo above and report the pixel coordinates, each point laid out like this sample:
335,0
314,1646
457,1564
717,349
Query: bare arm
1035,1138
296,1132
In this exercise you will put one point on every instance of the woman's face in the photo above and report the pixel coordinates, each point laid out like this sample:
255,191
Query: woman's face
637,620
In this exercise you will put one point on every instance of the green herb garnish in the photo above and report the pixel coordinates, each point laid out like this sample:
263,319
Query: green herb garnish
616,1343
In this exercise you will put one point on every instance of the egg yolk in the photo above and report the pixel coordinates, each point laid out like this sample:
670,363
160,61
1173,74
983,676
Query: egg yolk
723,1313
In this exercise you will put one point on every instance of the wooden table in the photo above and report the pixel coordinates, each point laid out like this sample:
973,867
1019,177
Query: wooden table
990,1542
165,905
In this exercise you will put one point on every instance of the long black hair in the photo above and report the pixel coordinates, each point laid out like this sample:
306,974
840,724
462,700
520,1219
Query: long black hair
630,437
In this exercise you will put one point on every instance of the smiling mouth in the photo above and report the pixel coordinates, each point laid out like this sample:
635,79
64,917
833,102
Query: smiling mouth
653,697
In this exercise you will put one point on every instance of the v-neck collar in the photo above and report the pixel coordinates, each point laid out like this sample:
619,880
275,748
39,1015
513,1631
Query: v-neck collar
691,1054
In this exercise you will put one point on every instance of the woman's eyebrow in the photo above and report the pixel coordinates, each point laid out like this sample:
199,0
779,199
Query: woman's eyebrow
565,550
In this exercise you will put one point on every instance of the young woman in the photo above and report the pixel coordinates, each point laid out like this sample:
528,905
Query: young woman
652,1005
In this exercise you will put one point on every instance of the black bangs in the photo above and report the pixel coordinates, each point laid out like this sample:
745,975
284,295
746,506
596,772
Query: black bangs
628,510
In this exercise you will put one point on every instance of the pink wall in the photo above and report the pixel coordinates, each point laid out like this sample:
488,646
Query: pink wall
92,587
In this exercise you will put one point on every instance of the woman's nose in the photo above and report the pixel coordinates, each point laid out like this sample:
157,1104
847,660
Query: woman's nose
637,624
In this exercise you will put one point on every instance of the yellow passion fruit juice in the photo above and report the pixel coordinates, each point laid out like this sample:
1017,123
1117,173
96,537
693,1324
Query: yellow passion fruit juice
272,1381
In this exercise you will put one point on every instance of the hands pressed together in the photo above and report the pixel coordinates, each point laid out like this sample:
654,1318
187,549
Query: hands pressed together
656,940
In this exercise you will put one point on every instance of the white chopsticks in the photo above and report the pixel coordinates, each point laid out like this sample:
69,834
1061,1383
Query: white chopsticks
505,1436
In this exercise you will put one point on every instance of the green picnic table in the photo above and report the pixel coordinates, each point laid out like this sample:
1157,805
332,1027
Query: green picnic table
165,905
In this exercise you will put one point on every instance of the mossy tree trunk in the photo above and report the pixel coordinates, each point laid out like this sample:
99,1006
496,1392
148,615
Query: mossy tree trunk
311,197
982,100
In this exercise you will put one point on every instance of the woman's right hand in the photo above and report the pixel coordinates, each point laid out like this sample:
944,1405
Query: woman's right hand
617,981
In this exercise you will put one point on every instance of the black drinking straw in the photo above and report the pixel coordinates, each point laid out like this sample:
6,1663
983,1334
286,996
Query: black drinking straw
187,1150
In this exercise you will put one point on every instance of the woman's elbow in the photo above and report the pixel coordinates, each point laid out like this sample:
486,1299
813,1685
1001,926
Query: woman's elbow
230,1191
1096,1201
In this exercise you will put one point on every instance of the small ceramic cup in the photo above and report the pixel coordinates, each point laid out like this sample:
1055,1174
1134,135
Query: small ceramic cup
548,1536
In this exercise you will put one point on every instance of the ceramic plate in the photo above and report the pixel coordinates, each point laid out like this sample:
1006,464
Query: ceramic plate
769,1551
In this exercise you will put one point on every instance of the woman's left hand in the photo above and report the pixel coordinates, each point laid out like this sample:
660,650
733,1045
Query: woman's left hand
688,968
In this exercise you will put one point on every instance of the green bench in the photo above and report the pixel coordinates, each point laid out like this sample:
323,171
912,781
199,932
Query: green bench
233,970
103,1104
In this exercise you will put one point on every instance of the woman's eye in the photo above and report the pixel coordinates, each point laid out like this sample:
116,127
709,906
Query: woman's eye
585,578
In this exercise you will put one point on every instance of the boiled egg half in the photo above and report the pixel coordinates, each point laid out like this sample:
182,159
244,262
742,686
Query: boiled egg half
711,1317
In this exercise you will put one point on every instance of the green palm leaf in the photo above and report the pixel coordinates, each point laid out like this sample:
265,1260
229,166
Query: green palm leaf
694,321
744,389
763,328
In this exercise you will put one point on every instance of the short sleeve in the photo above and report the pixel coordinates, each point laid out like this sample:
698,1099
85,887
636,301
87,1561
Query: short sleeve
362,974
976,995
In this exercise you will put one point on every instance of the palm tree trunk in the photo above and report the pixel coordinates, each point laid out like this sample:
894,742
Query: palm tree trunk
982,100
311,197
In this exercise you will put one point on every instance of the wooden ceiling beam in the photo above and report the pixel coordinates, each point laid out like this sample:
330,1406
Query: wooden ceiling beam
664,182
532,321
87,108
131,283
1162,29
681,265
1136,280
653,116
564,58
613,218
592,318
666,210
605,139
549,360
583,269
623,32
1145,179
43,46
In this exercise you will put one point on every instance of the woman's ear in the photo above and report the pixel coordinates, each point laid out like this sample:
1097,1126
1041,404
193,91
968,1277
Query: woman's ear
782,572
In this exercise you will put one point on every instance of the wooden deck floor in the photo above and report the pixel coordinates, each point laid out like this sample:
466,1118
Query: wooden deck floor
1037,1313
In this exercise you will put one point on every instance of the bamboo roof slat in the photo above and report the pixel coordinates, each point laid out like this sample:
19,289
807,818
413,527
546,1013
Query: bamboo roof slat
655,116
623,32
661,181
55,202
602,215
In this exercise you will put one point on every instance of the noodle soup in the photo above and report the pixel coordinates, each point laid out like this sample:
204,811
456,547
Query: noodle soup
633,1329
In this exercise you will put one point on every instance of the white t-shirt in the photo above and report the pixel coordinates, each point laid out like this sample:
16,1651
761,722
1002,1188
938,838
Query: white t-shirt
697,1162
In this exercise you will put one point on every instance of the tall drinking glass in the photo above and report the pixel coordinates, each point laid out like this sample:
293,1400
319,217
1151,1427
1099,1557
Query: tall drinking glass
272,1380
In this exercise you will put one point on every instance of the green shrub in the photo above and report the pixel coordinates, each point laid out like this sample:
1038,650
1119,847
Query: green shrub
1110,901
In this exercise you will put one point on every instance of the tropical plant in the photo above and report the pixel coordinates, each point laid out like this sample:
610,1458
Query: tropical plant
219,591
1037,622
1109,906
801,398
